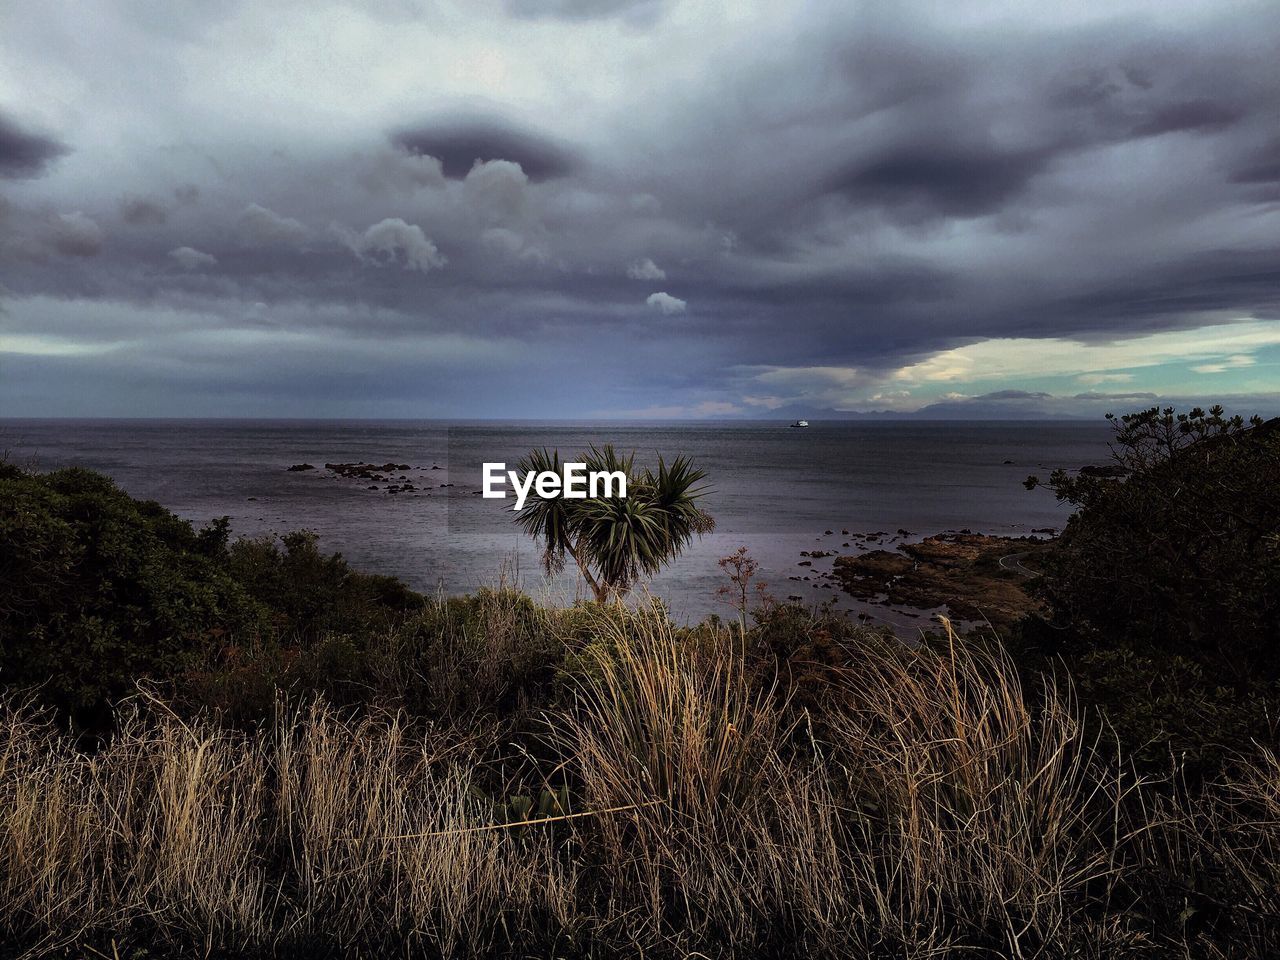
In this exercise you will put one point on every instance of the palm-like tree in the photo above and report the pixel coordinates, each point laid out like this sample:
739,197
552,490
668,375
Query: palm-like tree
615,541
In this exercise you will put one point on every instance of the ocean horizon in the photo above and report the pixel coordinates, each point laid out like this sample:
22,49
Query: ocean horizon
773,489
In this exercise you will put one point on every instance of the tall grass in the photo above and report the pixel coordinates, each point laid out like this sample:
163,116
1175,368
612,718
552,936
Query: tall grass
918,806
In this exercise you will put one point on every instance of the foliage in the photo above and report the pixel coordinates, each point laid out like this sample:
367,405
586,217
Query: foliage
683,802
615,541
1176,550
98,590
310,593
1163,711
803,786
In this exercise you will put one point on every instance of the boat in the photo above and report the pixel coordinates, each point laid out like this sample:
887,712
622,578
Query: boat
801,423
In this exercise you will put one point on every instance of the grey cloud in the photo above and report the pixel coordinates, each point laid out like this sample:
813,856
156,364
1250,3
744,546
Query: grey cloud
1013,395
952,179
1262,166
646,269
77,235
384,240
1189,115
931,129
1115,396
497,188
459,143
392,169
262,227
143,211
885,184
512,243
191,259
24,153
635,11
666,304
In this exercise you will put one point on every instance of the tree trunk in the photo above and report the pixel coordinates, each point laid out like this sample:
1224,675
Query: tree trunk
601,590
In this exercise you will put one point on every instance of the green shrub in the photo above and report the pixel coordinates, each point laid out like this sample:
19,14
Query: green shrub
98,590
1165,589
1177,548
310,593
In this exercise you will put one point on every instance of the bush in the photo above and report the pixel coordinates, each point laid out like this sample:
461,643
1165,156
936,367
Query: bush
1165,589
98,590
1177,549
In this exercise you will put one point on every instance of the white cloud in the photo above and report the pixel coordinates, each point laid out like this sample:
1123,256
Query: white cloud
77,235
1093,379
1028,357
810,377
705,409
497,190
769,402
646,269
666,303
260,227
512,243
827,386
39,346
382,241
1234,361
190,258
394,171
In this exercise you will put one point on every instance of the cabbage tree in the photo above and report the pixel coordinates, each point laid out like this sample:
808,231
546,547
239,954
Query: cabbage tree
616,541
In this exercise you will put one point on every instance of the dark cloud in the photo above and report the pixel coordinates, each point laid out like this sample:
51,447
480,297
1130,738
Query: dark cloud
1194,288
143,211
845,190
458,144
1262,166
928,128
1189,115
77,235
950,179
191,259
25,153
259,227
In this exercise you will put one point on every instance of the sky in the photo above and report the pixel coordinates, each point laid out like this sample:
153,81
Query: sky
642,209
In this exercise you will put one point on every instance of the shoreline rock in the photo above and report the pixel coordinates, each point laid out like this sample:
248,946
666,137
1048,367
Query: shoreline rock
959,571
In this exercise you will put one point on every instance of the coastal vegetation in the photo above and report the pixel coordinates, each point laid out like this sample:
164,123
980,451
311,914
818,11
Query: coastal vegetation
1164,589
217,747
615,541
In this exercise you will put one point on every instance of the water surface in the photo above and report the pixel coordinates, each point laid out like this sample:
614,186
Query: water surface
774,489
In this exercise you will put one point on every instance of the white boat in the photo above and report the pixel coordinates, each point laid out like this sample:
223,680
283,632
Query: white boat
801,423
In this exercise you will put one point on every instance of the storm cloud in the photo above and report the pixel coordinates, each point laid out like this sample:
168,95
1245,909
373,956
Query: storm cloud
25,153
825,211
461,143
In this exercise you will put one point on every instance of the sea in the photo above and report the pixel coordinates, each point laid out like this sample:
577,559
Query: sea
775,489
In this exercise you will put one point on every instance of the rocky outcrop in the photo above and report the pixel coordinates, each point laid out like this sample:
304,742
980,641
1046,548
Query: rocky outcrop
960,572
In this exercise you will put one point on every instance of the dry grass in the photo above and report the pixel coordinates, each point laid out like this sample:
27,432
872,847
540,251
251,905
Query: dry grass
928,812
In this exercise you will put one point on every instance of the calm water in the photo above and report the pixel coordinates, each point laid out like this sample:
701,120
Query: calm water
775,489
